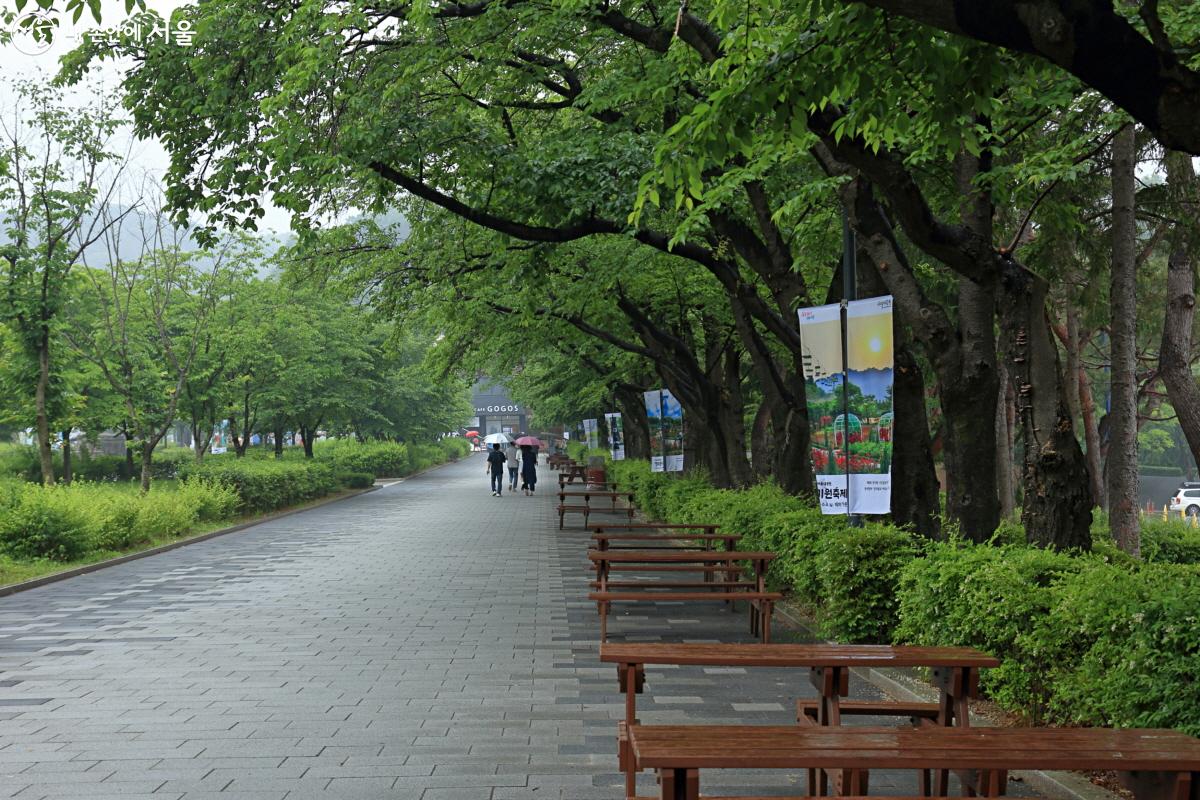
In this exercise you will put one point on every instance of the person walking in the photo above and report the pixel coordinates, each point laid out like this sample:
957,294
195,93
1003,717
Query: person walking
513,455
528,469
495,466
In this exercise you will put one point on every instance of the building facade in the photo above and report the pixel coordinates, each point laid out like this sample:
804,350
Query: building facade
495,412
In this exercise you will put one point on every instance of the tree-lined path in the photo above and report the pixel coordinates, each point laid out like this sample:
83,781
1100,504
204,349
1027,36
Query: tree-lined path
422,642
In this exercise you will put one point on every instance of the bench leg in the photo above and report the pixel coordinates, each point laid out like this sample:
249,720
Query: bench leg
561,514
603,621
767,608
679,784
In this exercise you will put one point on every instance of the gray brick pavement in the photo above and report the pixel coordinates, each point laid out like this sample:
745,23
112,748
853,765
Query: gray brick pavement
423,642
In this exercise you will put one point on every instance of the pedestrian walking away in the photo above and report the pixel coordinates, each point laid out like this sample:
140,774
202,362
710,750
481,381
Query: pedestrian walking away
514,456
495,467
528,469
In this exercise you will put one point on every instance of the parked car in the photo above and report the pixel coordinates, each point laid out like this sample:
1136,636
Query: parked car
1186,499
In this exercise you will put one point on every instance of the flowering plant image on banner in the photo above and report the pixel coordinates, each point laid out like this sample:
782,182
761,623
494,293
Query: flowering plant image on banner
616,435
653,400
851,447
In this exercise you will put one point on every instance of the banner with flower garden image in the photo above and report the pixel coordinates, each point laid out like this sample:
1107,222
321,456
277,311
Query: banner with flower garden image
851,447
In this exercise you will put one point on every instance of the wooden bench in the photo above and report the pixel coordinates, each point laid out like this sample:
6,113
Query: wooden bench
955,674
667,541
571,472
1154,764
586,508
761,602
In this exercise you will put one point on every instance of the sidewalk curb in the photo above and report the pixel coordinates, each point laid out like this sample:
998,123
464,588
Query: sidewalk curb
905,685
34,583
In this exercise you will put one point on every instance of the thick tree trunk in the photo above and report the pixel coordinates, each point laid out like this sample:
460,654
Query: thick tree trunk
1057,507
42,416
278,432
67,476
633,421
1122,469
761,445
129,462
1076,378
1004,448
1176,348
963,358
916,503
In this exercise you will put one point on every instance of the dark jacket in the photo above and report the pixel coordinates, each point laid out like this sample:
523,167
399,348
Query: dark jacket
496,460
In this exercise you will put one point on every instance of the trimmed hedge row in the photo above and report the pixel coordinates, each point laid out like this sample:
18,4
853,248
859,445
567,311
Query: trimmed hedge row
1098,639
63,523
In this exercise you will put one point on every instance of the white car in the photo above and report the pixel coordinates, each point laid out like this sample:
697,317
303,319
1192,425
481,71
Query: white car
1186,500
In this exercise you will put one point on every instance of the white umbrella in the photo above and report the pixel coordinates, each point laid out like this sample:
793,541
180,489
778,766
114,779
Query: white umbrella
496,438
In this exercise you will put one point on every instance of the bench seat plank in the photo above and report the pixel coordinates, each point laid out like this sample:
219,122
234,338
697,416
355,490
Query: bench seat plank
788,747
794,655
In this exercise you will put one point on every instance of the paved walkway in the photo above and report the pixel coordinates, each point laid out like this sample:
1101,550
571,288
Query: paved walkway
426,641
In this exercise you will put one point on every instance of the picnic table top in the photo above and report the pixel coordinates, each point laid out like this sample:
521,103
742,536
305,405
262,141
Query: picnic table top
795,655
651,525
594,493
679,555
773,746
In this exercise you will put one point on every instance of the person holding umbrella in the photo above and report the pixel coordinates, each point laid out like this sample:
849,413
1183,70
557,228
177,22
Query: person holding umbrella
529,447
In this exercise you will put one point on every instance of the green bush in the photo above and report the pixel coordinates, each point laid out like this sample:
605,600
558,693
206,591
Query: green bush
1150,470
1172,541
859,571
213,500
355,480
385,459
454,448
45,522
268,485
989,598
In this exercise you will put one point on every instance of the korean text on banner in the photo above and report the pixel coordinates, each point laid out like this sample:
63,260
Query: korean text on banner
616,435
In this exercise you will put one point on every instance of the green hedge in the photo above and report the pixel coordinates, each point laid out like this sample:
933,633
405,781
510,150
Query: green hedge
266,485
64,523
1094,639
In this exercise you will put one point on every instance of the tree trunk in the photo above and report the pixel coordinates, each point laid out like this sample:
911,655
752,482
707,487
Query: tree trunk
1122,469
67,457
1057,506
633,421
962,356
278,434
306,432
1176,348
761,446
916,501
1080,401
1004,448
147,457
129,464
45,456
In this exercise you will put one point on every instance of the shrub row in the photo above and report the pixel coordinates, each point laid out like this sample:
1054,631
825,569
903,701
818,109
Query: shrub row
64,523
267,485
1093,638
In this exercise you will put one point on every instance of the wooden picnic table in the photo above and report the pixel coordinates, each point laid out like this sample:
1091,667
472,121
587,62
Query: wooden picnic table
723,563
955,674
572,471
586,508
612,486
1156,764
706,541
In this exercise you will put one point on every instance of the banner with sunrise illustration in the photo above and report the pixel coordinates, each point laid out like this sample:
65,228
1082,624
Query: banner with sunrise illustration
851,447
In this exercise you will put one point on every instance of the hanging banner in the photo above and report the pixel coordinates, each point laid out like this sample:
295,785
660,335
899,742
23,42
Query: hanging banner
616,435
591,434
653,402
672,420
220,439
851,446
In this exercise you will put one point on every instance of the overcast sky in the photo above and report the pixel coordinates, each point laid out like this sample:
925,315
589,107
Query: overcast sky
26,58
